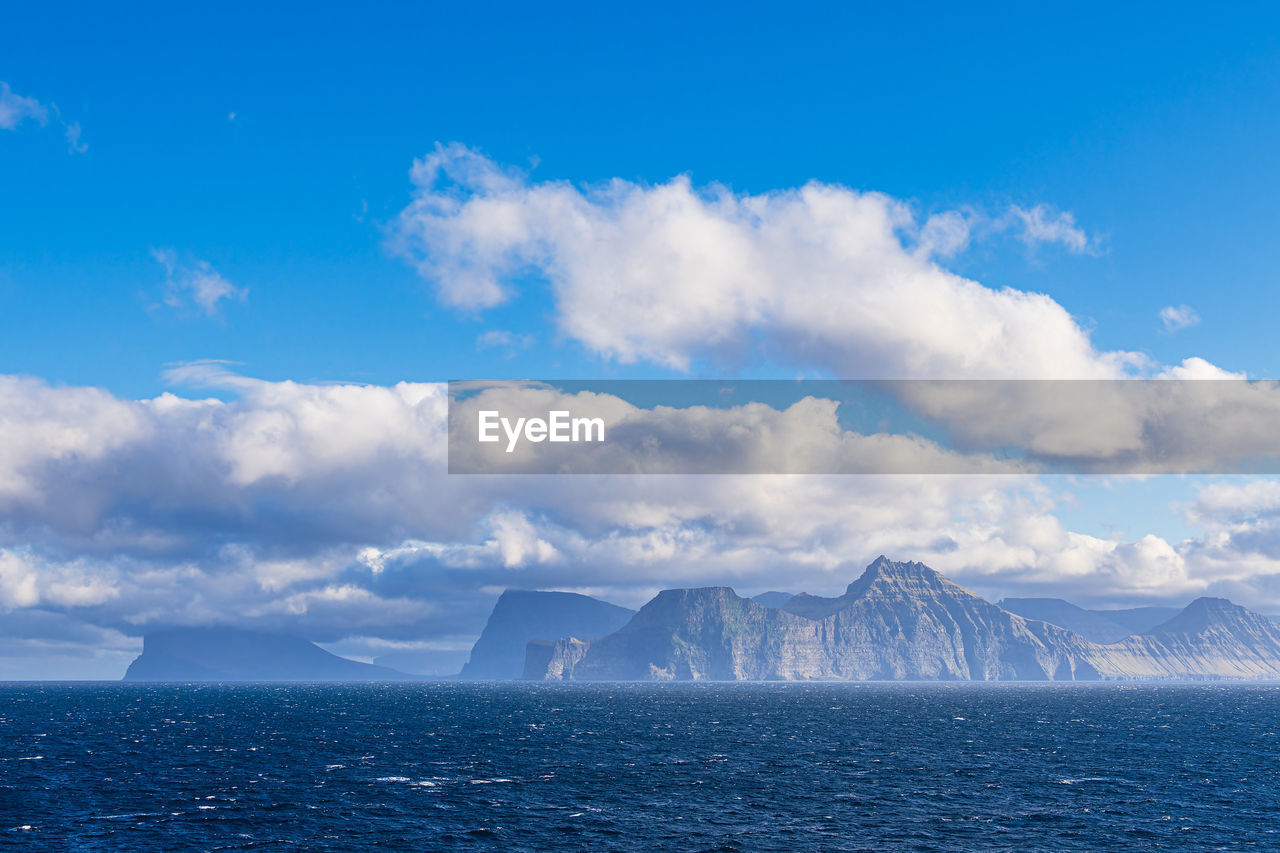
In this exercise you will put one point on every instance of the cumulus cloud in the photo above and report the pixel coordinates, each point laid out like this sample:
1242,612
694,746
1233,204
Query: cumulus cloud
820,277
1242,517
1197,368
195,283
1178,317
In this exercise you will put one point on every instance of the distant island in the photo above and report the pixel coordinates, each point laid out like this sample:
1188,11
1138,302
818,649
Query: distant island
899,621
521,616
231,654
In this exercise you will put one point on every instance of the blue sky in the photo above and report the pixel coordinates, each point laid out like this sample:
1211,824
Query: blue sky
1156,129
219,203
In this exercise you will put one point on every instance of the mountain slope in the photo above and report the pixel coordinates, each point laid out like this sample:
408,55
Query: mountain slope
1210,638
906,621
772,598
230,654
1139,619
522,616
1090,624
1101,626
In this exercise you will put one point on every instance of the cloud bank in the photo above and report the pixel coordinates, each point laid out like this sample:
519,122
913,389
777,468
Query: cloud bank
326,509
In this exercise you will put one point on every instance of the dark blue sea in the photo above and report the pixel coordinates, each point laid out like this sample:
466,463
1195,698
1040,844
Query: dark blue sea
725,767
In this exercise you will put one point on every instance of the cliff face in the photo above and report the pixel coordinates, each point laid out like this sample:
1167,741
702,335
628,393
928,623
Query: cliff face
229,654
900,621
906,621
522,616
692,634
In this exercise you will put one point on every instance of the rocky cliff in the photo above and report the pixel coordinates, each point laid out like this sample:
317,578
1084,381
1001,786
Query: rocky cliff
900,621
522,616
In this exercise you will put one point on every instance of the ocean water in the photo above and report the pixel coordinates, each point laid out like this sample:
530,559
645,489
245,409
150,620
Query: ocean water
450,766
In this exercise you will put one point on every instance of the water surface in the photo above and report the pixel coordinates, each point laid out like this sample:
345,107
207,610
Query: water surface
749,767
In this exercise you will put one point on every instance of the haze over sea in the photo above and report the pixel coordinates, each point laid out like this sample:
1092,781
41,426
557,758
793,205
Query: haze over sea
434,766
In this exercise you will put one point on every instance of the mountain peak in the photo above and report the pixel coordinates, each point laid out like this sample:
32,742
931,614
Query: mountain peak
1203,613
884,568
691,597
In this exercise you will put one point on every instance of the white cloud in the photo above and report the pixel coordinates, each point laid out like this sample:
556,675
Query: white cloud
1043,224
15,109
72,133
819,277
195,283
502,339
1197,368
1178,317
27,582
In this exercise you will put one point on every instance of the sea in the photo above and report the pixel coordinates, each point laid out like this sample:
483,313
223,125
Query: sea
638,767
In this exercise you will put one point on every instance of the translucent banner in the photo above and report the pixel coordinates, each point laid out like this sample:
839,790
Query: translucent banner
864,427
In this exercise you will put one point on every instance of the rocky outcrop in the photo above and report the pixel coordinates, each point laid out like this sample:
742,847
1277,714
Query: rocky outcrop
900,621
522,616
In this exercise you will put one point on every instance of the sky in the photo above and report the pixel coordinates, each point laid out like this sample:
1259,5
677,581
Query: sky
242,245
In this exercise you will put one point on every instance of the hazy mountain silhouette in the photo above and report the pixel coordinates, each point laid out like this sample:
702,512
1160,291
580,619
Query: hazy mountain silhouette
232,654
1101,626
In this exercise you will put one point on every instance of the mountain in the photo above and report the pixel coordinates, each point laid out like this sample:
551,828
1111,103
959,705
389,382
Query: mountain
1139,619
1090,624
230,654
522,616
1101,626
900,621
897,621
773,598
1211,638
